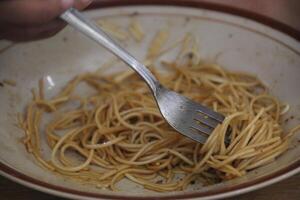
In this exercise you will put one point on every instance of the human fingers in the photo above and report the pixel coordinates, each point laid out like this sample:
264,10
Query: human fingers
20,34
36,12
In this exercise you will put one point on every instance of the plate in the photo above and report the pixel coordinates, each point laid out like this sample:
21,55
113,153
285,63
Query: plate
233,41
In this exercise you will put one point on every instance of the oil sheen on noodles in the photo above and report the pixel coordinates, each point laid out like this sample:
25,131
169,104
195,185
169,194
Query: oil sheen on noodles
116,131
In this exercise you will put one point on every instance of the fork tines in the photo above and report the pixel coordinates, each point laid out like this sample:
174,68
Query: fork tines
206,120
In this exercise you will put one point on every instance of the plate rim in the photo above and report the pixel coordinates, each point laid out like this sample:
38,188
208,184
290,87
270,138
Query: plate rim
261,182
274,177
212,6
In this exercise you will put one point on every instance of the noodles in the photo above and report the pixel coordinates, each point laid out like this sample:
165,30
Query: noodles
113,29
117,132
119,129
157,43
136,31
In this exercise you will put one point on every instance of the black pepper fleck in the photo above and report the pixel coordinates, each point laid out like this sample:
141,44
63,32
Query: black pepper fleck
134,13
190,55
65,39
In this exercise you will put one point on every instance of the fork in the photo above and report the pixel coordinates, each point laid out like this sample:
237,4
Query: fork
184,115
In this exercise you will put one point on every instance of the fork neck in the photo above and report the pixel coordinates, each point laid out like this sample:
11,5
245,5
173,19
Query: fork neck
142,70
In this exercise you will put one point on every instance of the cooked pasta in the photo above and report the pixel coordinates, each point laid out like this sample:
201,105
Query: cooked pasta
104,128
116,131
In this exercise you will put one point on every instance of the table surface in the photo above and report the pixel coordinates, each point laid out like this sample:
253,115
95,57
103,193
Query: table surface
286,11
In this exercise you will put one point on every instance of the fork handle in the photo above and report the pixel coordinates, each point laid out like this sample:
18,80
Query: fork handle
91,30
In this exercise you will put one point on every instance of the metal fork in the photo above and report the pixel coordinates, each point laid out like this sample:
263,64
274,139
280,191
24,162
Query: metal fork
184,115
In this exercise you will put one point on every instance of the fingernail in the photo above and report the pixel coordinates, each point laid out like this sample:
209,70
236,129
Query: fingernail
67,3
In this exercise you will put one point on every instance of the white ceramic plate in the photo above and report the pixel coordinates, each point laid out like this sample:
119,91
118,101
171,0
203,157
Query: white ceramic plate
232,41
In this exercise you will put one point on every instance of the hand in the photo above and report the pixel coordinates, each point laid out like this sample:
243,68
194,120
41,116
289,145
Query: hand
24,20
